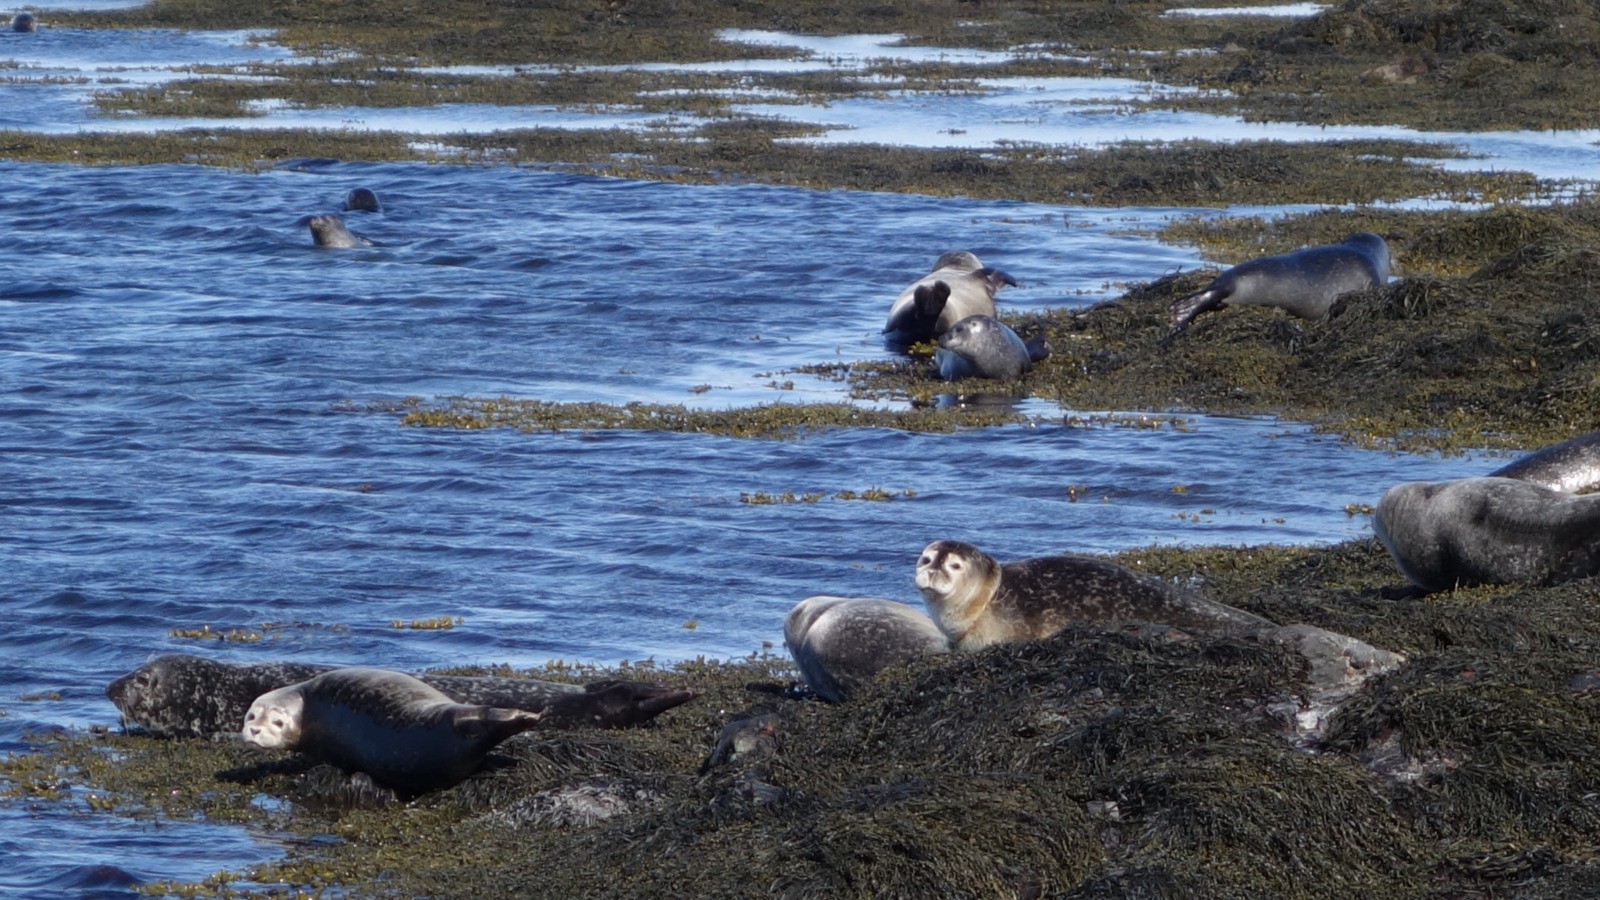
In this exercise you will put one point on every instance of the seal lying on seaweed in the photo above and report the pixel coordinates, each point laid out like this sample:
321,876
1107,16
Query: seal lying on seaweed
1304,283
958,286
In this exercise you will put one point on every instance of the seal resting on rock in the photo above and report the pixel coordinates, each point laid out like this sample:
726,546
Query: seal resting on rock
1304,283
978,601
328,231
1488,531
841,643
985,347
179,695
1572,466
923,311
362,200
387,725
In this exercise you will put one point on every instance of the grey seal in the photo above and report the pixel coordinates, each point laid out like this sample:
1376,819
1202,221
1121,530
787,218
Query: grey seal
183,696
1304,283
1488,531
924,310
841,643
1572,466
978,601
328,230
24,23
985,347
362,200
387,725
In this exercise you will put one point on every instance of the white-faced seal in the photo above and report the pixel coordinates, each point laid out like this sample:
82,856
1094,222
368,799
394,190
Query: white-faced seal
1572,466
361,199
180,696
841,643
1305,282
328,231
985,347
978,601
924,311
387,725
1488,531
24,23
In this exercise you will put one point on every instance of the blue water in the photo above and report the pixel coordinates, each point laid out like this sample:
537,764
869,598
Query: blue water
193,433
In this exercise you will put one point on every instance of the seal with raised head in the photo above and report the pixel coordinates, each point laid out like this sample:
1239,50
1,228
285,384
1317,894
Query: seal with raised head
841,643
178,695
1572,466
387,725
328,230
362,200
978,601
24,23
923,311
1304,283
1488,531
985,347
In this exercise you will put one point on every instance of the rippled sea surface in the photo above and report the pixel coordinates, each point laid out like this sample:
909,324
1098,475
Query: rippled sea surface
194,434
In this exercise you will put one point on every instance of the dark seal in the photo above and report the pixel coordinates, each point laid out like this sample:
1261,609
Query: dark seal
925,310
977,601
841,643
362,200
1304,283
24,23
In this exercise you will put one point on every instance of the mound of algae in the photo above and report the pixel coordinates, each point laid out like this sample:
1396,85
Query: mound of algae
1136,763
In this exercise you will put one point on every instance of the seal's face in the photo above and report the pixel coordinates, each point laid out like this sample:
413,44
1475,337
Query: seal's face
274,719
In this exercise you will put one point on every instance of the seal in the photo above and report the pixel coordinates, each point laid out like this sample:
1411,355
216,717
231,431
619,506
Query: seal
1304,283
328,231
978,601
1470,531
24,23
363,200
387,725
1572,466
183,696
985,347
841,643
969,289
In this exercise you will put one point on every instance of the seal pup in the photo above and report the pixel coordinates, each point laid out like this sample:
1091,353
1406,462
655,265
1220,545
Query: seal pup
841,643
24,23
328,231
183,696
384,724
969,289
978,601
985,347
1304,283
363,200
1572,466
1488,531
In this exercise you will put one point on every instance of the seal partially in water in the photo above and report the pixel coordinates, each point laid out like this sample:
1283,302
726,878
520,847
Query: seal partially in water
387,725
24,23
985,347
1572,466
328,230
977,601
919,314
841,643
1488,531
362,200
1304,283
179,695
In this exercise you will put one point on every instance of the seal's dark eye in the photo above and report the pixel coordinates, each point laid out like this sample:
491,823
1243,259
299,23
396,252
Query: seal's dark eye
925,561
955,566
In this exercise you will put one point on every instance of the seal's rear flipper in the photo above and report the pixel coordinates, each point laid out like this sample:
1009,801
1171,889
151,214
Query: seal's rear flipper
1185,308
1038,349
615,704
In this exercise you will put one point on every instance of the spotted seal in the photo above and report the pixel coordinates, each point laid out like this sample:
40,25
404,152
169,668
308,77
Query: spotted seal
840,643
328,230
362,200
387,725
1488,531
1572,466
24,23
978,601
985,347
924,310
1304,283
183,696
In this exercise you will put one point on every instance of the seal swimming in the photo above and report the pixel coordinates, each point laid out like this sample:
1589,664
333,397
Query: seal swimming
182,696
978,601
924,310
362,200
328,230
841,643
985,347
24,23
1488,531
383,724
1304,283
1572,466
